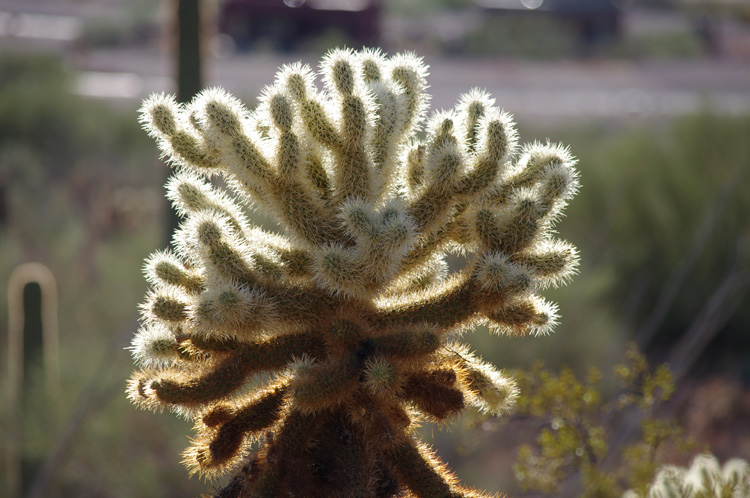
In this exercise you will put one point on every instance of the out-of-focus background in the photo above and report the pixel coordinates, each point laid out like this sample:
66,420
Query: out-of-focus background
653,97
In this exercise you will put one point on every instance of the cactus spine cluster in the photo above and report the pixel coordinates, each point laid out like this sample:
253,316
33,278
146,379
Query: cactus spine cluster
308,355
705,478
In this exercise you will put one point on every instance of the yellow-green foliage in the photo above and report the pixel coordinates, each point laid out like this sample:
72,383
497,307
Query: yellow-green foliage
349,317
579,426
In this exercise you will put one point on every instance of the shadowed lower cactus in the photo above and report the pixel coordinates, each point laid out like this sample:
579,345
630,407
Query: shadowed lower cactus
307,357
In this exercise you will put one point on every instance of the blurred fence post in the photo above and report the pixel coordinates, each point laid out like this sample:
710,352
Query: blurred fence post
32,326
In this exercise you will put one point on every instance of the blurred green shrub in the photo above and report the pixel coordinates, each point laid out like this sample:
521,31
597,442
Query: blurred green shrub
64,162
665,210
522,36
583,448
681,45
61,157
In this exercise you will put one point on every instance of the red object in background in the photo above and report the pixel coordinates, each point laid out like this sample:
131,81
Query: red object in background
287,23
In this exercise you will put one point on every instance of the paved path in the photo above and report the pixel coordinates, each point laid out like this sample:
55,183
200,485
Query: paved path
557,90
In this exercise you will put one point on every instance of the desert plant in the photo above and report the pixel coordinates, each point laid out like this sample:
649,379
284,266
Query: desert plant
348,319
591,444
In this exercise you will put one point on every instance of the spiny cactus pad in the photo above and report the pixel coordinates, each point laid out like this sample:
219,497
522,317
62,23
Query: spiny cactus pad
308,353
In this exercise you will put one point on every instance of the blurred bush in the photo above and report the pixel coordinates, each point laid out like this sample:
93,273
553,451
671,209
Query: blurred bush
666,212
524,37
66,166
682,45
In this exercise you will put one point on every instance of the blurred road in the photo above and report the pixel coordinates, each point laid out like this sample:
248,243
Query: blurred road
545,90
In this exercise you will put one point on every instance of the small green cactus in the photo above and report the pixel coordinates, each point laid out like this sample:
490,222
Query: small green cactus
307,357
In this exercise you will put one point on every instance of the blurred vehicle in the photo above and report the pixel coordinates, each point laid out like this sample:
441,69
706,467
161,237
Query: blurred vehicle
287,24
593,20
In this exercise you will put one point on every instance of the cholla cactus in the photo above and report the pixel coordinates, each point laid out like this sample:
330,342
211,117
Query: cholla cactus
704,479
307,357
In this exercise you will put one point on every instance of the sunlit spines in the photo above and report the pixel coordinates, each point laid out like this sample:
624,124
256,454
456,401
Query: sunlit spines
297,78
525,223
472,106
372,62
423,473
302,305
353,302
223,430
397,229
380,376
304,215
219,249
445,165
164,268
337,270
531,164
190,194
312,109
352,174
168,387
559,184
435,393
489,390
447,306
430,211
410,72
394,84
444,162
289,152
388,129
704,478
383,242
553,262
495,144
532,315
441,129
154,345
295,262
200,202
427,247
339,72
415,342
500,278
359,219
168,304
325,385
161,116
224,121
511,229
229,310
432,271
317,175
414,166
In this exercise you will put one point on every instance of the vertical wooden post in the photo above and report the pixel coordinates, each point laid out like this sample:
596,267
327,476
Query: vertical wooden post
22,317
188,47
